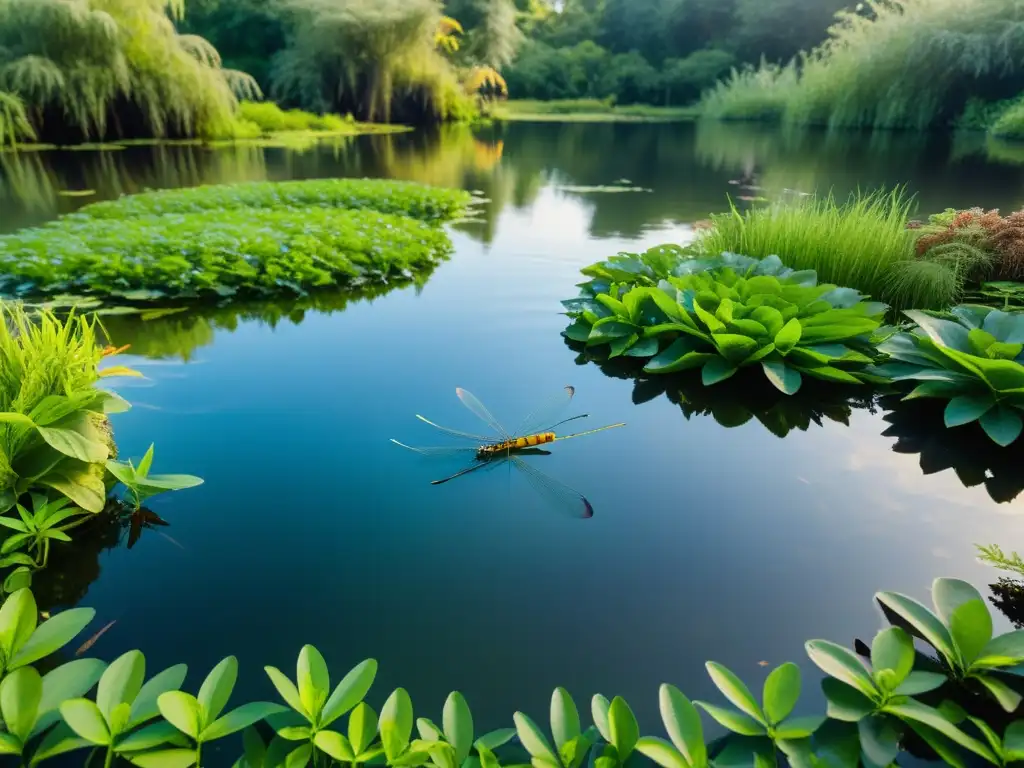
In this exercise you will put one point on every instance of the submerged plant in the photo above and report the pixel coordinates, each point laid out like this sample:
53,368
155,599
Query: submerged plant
721,321
972,358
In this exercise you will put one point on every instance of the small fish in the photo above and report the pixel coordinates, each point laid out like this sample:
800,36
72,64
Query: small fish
762,663
175,543
110,350
44,615
92,640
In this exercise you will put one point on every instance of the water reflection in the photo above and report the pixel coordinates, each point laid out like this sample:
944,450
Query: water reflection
918,428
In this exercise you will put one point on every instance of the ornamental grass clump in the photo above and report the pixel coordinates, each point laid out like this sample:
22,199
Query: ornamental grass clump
988,244
973,358
721,319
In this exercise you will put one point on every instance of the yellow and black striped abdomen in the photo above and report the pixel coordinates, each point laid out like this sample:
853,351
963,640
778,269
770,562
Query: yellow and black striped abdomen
520,443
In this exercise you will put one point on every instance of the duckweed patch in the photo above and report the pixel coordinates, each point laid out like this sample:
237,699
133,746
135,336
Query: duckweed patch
240,239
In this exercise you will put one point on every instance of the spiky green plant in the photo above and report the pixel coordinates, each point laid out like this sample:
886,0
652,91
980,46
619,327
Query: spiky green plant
89,68
14,124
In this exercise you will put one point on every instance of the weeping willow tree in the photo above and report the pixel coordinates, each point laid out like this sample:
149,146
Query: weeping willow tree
93,69
375,59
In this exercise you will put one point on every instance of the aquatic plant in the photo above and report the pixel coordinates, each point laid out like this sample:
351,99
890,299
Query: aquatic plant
721,320
1007,294
418,201
989,245
877,699
141,485
971,357
863,243
751,93
272,119
217,253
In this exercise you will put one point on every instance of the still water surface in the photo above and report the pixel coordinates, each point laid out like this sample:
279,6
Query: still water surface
707,542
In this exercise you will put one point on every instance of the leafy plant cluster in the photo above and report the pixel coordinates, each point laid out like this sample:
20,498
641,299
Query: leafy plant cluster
219,241
270,118
880,701
971,357
994,244
724,314
57,452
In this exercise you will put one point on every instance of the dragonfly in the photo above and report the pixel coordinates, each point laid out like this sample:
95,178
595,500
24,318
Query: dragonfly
508,448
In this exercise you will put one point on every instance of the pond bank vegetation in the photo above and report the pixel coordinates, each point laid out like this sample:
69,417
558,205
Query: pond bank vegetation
588,111
957,701
206,243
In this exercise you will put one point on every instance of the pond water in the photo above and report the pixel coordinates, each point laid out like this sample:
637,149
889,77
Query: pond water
712,537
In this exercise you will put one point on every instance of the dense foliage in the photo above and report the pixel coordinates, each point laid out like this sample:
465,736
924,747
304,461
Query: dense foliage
878,699
864,243
208,242
971,358
906,64
992,244
88,69
723,314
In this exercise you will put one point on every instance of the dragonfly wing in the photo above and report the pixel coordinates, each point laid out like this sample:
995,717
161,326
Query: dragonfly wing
592,431
445,451
478,438
558,495
470,401
546,414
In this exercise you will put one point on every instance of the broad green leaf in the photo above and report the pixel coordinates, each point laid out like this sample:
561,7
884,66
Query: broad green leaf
299,757
787,380
86,720
971,628
1007,697
216,689
715,370
60,740
149,737
533,739
457,722
145,707
737,722
182,710
335,745
169,482
661,752
68,681
921,620
682,722
574,751
9,744
1013,740
74,440
565,718
645,347
879,739
788,336
919,681
286,688
841,664
734,347
164,758
735,690
599,713
494,739
396,722
121,683
351,690
893,649
237,719
1003,425
428,730
781,692
20,695
602,333
624,728
831,373
76,481
967,408
1002,651
362,727
313,679
18,616
912,710
944,333
145,463
796,728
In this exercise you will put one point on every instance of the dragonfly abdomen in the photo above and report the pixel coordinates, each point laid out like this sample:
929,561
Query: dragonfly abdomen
518,444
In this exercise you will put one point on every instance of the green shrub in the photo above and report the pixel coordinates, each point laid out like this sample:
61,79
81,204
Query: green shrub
272,119
416,200
751,94
217,252
1010,124
863,243
876,700
725,314
972,358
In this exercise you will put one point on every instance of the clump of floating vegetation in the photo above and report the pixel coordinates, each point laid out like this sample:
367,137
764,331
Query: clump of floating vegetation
725,313
218,241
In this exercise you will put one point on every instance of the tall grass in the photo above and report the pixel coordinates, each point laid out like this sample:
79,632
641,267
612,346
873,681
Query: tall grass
892,64
750,93
863,243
